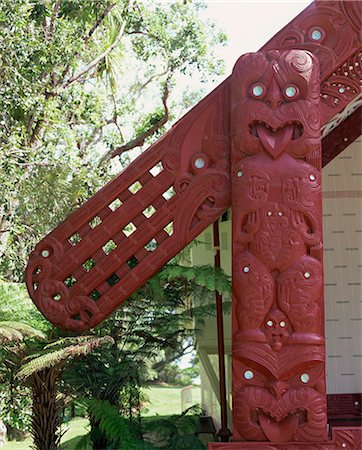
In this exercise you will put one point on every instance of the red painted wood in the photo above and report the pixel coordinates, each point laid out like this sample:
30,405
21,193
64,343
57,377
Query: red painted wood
342,136
224,433
58,276
343,438
278,321
344,409
168,211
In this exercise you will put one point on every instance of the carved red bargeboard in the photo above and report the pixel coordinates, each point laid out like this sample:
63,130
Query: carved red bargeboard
73,276
117,240
278,326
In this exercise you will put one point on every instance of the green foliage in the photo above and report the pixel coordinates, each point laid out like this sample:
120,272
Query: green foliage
174,375
15,409
59,352
207,276
174,433
15,331
117,429
79,81
15,335
178,431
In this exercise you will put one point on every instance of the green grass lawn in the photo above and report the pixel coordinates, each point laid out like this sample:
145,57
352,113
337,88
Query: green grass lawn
75,428
164,401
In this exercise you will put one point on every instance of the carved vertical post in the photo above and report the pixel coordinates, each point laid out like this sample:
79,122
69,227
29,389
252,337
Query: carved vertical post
278,326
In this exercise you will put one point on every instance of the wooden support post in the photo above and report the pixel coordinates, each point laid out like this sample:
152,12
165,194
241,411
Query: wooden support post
224,433
279,388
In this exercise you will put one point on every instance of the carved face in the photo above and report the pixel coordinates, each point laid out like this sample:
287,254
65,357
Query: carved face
273,109
279,407
276,328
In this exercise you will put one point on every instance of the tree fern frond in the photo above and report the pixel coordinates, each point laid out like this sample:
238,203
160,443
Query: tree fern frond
207,276
17,331
56,357
62,342
114,426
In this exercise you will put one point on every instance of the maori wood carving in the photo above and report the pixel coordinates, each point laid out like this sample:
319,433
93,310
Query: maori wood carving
254,144
278,324
114,242
118,239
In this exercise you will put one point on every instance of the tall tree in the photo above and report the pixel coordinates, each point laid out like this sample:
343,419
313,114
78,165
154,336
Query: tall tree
83,83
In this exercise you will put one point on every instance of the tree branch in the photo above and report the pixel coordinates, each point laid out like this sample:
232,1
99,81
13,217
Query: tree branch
140,139
52,19
99,58
99,21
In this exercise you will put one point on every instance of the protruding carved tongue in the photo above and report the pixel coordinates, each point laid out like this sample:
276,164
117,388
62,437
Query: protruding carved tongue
282,431
275,141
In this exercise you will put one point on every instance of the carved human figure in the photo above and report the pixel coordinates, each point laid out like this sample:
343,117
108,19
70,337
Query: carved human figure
277,329
285,406
277,249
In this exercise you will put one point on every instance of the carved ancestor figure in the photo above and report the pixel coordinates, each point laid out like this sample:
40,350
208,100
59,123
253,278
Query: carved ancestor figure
278,352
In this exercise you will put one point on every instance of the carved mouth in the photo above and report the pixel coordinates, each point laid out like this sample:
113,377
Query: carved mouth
279,429
276,139
259,124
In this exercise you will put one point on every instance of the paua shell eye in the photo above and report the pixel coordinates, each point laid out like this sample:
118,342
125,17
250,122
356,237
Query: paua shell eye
258,90
291,92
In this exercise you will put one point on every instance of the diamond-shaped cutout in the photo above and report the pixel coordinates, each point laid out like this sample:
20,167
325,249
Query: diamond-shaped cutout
115,204
158,168
129,229
169,229
149,211
75,239
132,262
89,264
95,295
152,245
109,246
113,279
167,195
95,222
135,187
70,281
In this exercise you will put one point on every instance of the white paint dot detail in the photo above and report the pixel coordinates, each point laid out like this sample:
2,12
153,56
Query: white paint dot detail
45,253
316,35
307,275
269,213
258,90
240,174
199,163
341,90
246,269
311,177
270,323
280,213
304,378
282,324
248,374
344,445
290,91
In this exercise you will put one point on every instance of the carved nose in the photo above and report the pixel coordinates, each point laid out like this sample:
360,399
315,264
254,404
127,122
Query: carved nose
273,102
277,388
273,98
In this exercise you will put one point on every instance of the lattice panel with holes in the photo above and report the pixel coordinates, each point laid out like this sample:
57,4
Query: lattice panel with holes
118,239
